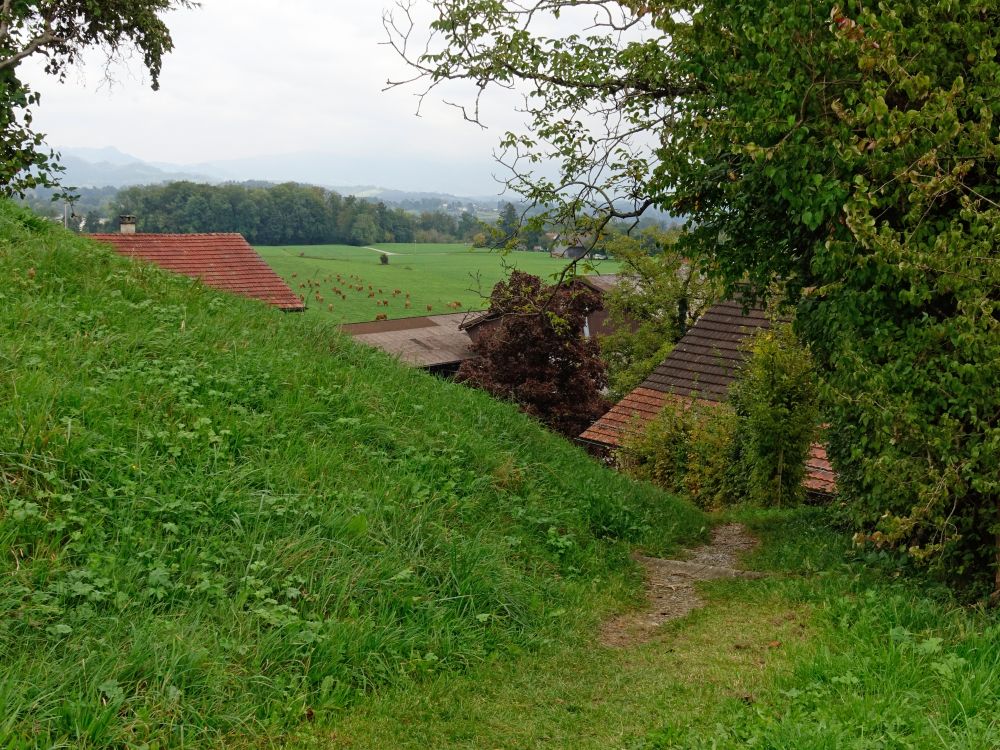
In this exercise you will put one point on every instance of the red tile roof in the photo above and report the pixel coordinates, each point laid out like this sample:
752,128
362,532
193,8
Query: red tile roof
702,366
820,477
222,261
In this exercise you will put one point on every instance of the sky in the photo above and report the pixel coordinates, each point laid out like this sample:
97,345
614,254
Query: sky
301,79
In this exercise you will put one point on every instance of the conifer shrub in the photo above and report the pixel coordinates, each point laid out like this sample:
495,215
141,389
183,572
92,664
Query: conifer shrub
776,403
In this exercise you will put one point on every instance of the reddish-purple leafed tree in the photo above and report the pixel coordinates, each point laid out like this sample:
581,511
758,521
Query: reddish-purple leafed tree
534,353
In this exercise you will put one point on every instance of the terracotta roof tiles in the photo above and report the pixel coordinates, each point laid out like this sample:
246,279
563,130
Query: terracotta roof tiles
222,261
702,366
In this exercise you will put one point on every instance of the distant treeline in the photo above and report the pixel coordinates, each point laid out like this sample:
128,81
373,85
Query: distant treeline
287,214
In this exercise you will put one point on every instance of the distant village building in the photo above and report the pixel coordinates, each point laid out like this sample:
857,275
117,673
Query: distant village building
703,366
222,261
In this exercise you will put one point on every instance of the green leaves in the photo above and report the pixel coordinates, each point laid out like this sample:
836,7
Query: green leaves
845,157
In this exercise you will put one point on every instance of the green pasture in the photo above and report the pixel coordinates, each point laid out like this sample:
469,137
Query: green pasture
434,276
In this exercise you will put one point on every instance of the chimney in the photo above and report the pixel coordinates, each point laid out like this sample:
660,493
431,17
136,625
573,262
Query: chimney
127,223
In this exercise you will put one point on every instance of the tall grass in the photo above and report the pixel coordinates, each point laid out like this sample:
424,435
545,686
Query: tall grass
219,521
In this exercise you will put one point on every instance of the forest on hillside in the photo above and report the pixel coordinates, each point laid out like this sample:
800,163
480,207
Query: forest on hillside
266,214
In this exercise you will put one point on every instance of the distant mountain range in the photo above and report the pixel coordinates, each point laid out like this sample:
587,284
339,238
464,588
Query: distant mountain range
109,167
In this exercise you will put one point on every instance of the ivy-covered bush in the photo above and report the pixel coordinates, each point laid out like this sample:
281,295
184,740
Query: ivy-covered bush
776,402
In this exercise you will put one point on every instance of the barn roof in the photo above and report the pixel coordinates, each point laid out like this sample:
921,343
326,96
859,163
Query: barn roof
429,341
222,261
601,283
703,366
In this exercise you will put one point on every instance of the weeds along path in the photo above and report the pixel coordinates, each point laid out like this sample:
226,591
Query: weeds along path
670,585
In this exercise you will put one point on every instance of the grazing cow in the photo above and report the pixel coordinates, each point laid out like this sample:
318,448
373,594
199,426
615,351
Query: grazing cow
381,316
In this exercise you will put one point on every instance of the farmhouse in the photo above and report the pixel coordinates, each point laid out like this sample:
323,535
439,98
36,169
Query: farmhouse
702,366
436,343
222,261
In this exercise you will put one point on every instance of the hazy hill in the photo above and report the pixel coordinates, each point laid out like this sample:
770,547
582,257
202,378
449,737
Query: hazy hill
100,167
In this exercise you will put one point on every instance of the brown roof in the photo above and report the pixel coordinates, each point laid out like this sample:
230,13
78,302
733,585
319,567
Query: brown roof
702,366
431,341
477,320
706,360
600,283
222,261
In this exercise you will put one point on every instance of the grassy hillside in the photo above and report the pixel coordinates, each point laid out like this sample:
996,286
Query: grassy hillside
219,522
433,275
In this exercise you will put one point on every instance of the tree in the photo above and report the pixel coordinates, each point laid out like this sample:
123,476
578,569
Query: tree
60,31
535,353
363,230
845,155
508,224
661,296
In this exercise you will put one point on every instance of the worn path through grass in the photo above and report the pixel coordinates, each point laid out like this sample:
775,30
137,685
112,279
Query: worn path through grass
832,649
689,673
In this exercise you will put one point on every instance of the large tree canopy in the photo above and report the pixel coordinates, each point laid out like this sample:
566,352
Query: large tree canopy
846,154
59,31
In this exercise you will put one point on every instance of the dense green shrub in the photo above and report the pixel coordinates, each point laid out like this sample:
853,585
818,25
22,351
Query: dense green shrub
753,448
776,402
688,448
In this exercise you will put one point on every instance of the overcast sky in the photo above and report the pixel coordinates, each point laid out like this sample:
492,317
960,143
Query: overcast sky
254,78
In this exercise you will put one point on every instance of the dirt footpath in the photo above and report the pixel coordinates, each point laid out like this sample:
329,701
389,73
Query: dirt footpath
670,585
